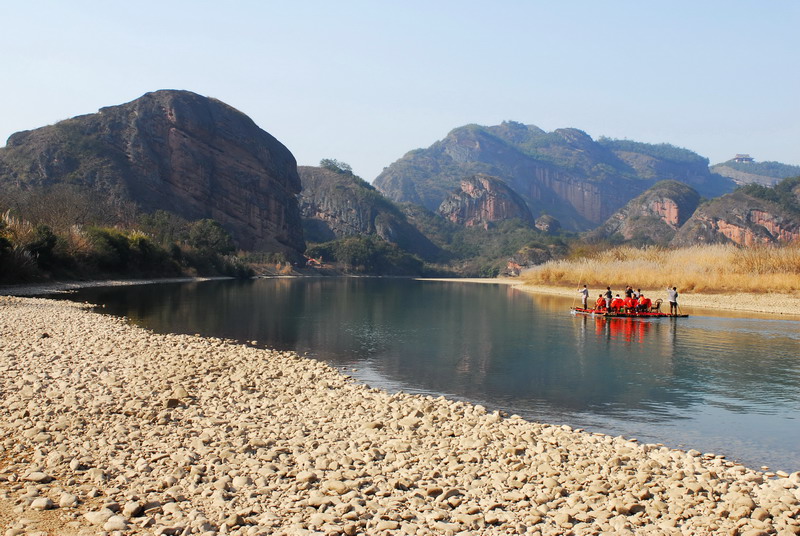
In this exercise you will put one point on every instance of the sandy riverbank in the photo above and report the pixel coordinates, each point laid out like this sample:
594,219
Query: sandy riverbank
108,428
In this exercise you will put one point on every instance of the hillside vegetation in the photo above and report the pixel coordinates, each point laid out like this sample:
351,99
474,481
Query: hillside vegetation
767,169
713,268
65,233
786,194
664,151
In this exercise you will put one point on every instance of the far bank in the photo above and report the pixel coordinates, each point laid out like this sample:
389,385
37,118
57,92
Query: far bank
784,304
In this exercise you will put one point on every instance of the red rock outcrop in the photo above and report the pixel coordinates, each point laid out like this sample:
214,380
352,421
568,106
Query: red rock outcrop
668,210
482,200
741,219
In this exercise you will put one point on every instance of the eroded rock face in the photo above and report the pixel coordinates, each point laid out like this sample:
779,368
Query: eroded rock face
548,224
336,205
482,200
175,151
741,219
653,217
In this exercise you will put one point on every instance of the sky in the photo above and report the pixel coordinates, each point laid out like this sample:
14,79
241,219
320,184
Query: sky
364,82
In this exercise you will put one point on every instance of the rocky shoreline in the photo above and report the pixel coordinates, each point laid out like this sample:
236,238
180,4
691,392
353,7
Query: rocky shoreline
106,428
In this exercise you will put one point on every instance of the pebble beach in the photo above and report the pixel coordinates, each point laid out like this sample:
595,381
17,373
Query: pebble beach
107,428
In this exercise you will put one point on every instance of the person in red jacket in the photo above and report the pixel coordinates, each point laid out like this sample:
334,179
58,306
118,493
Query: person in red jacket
600,304
644,303
617,304
630,304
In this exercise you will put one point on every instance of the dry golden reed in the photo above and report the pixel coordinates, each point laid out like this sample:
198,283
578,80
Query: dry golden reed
709,268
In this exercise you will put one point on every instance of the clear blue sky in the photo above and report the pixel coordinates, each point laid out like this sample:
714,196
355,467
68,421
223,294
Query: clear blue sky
366,81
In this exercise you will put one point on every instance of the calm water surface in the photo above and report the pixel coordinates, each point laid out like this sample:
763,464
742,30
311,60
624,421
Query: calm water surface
712,383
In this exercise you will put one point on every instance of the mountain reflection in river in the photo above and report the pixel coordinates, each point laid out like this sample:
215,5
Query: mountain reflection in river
713,383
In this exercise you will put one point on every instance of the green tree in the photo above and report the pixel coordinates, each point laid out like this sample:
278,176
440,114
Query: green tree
110,249
336,166
208,236
42,246
165,227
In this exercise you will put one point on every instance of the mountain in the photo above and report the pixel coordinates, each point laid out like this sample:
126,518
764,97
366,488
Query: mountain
579,181
336,204
482,200
651,218
745,171
749,216
171,150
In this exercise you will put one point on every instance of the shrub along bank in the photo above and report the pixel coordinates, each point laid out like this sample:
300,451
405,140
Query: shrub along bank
33,252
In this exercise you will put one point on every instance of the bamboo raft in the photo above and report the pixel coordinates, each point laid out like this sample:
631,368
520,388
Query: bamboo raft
612,314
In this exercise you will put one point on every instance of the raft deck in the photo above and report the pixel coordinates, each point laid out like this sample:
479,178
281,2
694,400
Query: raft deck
639,314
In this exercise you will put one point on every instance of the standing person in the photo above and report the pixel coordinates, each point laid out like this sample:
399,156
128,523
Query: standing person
672,297
628,291
608,295
584,292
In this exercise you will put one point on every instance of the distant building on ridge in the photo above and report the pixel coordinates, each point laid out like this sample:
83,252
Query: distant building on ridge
743,159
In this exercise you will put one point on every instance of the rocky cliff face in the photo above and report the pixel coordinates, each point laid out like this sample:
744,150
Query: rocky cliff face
653,217
335,205
739,218
565,173
482,200
175,151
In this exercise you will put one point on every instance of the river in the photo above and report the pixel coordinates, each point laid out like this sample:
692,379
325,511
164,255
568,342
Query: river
721,384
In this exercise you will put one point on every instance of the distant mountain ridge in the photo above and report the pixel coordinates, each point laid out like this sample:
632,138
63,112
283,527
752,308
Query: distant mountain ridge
480,194
564,173
764,173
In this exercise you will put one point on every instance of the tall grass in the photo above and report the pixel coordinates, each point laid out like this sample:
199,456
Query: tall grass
709,268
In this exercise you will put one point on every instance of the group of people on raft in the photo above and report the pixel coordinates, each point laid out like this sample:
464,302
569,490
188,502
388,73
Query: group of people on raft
633,302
